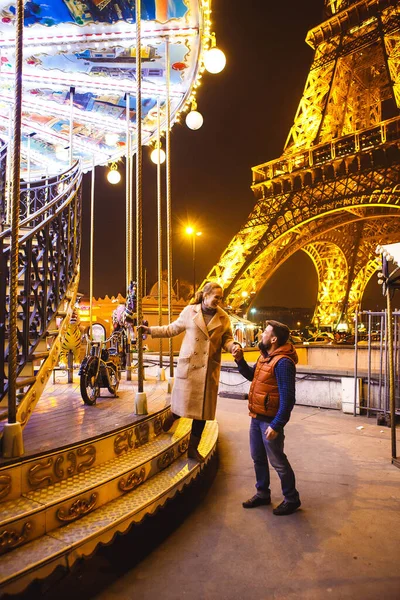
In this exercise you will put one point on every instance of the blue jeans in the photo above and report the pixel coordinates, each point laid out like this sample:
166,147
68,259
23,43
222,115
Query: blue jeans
262,451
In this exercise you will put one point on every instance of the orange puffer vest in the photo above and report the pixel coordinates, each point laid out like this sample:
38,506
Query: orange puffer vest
264,393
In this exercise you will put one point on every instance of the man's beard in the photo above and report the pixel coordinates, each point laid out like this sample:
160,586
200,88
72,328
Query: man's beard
264,348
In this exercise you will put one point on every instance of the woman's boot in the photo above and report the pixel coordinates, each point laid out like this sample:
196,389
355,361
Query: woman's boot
194,442
169,421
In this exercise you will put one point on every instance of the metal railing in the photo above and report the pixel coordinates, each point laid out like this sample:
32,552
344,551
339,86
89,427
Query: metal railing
49,246
371,362
365,139
3,170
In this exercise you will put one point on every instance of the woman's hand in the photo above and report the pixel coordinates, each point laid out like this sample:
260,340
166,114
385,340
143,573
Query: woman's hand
143,330
237,352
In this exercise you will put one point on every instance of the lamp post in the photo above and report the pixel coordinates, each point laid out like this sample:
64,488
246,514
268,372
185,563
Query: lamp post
193,233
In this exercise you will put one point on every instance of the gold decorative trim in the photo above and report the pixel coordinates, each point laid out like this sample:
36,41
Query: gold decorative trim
5,485
183,445
124,441
10,539
142,433
158,423
57,473
166,459
133,481
87,451
78,509
30,405
34,480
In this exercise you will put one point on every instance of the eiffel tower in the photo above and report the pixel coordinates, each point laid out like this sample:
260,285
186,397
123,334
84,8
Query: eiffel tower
335,191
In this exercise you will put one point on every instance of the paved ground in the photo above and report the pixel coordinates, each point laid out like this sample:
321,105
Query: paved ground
343,544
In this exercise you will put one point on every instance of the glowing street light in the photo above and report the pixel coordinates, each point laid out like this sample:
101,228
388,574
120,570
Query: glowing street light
193,233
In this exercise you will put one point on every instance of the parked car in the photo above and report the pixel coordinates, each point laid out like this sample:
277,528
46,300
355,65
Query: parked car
321,337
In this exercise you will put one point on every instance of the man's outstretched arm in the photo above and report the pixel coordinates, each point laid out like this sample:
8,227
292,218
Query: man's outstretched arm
244,368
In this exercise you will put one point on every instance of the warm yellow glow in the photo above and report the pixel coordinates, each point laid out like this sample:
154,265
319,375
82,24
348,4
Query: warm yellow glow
194,120
114,176
157,156
191,231
111,139
214,60
244,294
62,153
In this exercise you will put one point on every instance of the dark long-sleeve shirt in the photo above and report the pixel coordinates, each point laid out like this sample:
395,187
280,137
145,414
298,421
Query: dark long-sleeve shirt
285,373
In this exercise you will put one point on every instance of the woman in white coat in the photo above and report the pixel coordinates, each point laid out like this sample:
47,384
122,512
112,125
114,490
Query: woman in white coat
207,331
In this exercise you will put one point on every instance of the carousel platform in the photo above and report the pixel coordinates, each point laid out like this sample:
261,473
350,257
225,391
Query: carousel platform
88,473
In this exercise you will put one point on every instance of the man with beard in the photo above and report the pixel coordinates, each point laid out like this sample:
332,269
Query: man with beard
271,400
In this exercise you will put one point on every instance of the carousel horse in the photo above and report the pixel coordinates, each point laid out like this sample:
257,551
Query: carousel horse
71,341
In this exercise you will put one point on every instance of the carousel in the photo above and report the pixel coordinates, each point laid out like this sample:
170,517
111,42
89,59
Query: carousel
86,83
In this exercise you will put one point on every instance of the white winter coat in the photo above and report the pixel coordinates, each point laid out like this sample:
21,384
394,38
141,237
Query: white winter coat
194,394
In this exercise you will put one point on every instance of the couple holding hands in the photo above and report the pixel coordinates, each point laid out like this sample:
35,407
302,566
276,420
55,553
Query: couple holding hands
271,397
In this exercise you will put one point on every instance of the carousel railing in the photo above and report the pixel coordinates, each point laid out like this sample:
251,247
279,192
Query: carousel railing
3,170
49,246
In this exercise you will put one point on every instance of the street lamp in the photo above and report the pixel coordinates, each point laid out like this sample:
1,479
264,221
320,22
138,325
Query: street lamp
193,233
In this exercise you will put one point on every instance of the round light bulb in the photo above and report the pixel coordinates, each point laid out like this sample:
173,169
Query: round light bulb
114,176
62,153
111,139
244,294
214,60
189,230
194,120
157,156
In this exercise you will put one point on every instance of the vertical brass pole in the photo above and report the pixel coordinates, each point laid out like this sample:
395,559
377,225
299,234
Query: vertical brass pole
161,374
194,262
71,124
392,407
128,192
12,435
9,166
28,173
91,250
141,401
169,210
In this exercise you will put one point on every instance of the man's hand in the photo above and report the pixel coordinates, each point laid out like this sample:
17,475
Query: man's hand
271,434
237,352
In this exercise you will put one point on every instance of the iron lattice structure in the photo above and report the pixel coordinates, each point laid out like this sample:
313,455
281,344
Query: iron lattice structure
334,193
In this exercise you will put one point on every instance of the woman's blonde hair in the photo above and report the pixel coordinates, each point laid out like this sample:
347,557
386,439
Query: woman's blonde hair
207,289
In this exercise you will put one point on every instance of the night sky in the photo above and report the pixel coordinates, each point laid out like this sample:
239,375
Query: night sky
248,110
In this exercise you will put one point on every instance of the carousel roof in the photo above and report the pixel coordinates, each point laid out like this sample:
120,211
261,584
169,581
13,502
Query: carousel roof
80,66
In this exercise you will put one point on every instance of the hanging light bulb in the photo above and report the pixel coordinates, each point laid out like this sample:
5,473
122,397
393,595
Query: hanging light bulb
113,175
158,155
62,153
111,139
214,58
194,119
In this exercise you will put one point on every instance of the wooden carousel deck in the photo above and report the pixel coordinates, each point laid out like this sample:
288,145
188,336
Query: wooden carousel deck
61,418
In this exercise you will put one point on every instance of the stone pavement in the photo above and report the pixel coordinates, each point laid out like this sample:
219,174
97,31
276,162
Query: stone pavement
343,544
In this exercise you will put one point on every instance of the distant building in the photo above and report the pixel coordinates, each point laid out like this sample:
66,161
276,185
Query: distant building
294,318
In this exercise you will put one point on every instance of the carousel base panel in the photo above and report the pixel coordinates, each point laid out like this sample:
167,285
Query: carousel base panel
59,504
